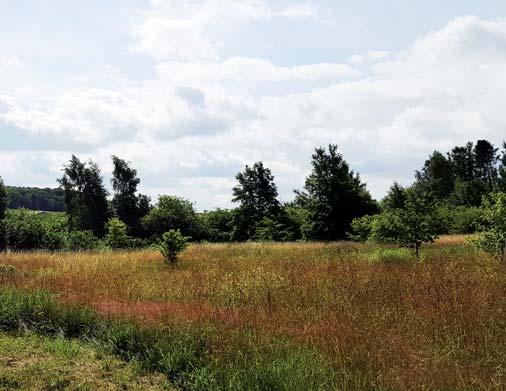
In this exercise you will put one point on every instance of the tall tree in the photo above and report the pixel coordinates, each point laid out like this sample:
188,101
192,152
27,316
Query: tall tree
172,213
462,161
3,199
502,169
395,198
437,175
257,195
485,160
128,206
3,210
333,195
85,196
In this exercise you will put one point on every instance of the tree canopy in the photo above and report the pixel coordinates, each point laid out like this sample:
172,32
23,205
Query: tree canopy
333,195
85,196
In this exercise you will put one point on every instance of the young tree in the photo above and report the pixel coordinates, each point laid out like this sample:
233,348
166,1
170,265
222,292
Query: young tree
333,196
128,206
493,232
117,237
257,195
171,244
415,223
85,196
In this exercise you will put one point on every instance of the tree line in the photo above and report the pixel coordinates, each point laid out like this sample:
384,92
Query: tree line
33,198
334,204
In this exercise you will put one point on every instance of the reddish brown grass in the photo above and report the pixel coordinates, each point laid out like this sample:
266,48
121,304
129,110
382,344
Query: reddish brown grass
438,324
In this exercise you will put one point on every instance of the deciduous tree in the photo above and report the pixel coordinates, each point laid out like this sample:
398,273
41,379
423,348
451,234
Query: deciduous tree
85,196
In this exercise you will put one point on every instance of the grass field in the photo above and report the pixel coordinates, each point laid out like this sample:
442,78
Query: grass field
39,363
298,316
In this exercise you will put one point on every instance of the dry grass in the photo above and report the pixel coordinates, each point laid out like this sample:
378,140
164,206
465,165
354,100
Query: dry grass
380,318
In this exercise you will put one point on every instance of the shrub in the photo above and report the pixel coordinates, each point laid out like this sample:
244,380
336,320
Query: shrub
493,235
361,228
171,244
24,231
116,237
82,241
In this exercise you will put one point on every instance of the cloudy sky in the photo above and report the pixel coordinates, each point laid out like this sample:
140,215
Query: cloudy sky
190,91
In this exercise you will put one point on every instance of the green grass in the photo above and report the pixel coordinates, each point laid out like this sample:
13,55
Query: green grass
31,362
184,356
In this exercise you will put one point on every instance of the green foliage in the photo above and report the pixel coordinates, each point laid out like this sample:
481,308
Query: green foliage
450,219
28,230
334,195
395,198
217,225
116,235
85,196
3,200
48,200
485,159
273,230
171,244
469,193
493,235
82,241
257,195
128,206
410,227
361,228
437,176
172,213
416,221
387,227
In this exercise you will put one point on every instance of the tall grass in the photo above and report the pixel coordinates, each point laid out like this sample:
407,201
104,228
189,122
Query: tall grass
185,356
295,316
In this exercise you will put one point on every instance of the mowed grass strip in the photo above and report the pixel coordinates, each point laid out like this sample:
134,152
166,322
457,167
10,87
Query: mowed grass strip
372,313
32,362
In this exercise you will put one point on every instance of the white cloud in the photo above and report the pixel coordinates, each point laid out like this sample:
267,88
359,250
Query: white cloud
190,128
189,30
241,69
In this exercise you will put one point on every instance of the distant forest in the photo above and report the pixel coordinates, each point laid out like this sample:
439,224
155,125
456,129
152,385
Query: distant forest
48,200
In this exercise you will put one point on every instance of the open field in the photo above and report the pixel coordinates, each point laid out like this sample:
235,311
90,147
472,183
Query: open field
344,316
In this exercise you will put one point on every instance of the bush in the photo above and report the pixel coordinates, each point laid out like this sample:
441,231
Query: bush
24,231
116,237
82,241
171,244
493,235
361,228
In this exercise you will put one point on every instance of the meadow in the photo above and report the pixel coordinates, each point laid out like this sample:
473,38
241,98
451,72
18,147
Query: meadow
265,316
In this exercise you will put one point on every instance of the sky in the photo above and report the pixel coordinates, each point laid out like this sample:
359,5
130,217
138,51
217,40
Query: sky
190,91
